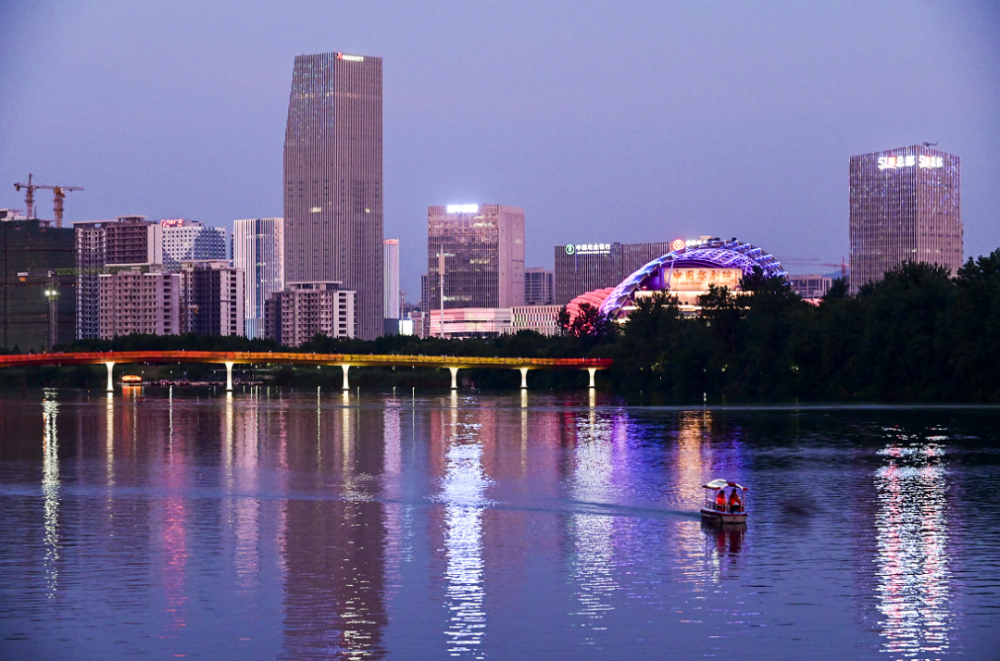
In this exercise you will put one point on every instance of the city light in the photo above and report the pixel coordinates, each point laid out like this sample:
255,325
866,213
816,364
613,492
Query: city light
350,58
462,208
908,161
678,244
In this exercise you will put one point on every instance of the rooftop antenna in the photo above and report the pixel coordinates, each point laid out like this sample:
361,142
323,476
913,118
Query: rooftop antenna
930,144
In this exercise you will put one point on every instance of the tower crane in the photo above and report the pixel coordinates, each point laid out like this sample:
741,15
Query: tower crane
816,262
59,192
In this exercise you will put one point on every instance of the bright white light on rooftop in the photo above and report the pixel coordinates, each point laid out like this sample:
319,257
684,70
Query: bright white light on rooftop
463,208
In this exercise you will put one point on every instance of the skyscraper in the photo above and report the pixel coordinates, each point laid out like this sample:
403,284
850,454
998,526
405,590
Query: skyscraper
259,249
391,286
905,206
332,184
483,247
539,287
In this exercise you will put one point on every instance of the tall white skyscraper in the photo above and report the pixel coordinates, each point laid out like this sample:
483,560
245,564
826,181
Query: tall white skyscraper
189,240
390,255
259,250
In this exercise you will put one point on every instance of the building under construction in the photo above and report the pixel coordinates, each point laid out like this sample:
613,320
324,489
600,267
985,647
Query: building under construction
37,301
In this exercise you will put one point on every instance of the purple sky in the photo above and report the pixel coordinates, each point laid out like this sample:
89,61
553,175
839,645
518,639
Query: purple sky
606,121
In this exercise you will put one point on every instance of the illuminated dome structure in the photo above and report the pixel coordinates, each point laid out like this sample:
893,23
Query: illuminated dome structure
594,298
688,272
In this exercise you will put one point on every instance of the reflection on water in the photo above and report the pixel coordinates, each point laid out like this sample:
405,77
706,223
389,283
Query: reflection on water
463,492
50,487
312,525
913,583
592,534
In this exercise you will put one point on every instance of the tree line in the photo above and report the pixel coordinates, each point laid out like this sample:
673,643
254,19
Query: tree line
919,334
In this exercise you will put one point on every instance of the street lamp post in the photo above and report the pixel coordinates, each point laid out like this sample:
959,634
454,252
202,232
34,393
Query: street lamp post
52,294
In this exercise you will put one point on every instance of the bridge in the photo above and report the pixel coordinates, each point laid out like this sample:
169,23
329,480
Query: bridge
346,361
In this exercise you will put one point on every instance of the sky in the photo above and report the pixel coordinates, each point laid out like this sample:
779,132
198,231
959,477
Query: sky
629,121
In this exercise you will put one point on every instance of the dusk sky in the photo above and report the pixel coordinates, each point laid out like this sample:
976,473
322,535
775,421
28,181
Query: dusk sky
624,121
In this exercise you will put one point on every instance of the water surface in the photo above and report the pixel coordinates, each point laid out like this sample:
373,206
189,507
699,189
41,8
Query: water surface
313,525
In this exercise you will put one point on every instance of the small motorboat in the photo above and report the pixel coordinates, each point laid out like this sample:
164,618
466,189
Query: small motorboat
719,508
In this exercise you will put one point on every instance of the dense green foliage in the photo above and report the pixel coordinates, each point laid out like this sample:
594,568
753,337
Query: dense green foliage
918,334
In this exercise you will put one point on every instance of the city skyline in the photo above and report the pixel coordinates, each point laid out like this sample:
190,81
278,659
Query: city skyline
716,126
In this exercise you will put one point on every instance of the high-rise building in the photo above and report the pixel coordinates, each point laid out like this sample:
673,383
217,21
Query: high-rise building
483,255
306,309
583,267
259,251
332,185
36,298
140,300
539,286
189,240
810,286
126,240
905,207
390,288
212,299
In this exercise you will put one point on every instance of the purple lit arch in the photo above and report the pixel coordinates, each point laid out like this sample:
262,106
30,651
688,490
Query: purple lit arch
711,254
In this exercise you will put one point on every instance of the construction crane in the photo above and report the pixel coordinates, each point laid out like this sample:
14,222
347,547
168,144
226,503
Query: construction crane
59,193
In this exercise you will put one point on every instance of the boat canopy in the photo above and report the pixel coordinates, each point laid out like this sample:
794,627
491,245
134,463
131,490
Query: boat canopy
722,484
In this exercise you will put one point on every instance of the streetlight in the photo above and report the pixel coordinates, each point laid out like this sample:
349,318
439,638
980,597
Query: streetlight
52,294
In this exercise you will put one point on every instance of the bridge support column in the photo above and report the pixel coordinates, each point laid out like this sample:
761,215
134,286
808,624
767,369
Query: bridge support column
347,384
454,377
111,382
593,371
229,377
524,378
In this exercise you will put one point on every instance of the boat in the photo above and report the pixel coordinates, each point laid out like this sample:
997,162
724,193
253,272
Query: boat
711,511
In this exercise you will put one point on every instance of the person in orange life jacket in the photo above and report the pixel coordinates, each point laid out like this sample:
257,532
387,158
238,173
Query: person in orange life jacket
720,500
735,502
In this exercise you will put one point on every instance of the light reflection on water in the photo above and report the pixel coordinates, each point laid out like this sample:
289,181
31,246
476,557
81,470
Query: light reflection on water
316,525
914,576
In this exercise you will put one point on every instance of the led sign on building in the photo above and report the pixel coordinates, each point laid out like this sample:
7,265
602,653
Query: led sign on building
698,279
588,249
908,161
350,58
462,208
678,244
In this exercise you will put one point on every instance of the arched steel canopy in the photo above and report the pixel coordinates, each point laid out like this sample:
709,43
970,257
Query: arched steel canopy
711,254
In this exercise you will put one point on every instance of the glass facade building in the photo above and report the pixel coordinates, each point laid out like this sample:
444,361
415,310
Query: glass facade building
391,303
332,185
905,206
539,286
483,248
259,251
583,267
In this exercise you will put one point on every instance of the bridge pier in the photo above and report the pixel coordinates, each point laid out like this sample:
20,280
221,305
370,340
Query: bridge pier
524,378
593,371
229,376
111,382
347,384
454,377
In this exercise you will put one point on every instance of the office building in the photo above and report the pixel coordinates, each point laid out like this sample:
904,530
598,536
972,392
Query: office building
539,286
332,184
140,299
37,300
259,251
810,286
306,309
481,247
189,240
470,322
905,207
390,288
124,241
213,298
542,319
583,267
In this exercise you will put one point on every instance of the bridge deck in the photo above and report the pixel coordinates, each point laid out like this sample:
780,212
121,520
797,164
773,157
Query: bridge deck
258,358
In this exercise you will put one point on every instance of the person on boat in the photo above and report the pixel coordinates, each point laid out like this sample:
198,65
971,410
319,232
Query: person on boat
720,500
735,502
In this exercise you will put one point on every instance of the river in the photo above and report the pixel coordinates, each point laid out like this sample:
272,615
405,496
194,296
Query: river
301,524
